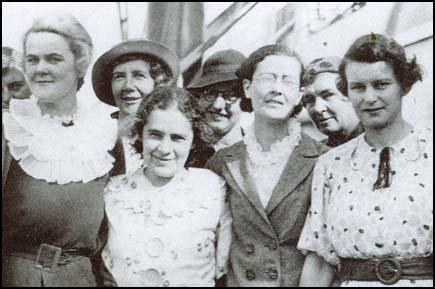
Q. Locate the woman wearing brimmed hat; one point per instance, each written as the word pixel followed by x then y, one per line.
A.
pixel 58 161
pixel 221 103
pixel 126 74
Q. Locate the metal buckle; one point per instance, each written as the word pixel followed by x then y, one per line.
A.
pixel 48 258
pixel 388 271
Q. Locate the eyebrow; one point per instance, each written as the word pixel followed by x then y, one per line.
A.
pixel 324 91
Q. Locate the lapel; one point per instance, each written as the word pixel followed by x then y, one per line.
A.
pixel 236 164
pixel 299 165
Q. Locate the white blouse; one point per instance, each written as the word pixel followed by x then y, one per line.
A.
pixel 266 167
pixel 176 235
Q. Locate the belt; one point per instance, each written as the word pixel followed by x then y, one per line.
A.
pixel 50 257
pixel 386 270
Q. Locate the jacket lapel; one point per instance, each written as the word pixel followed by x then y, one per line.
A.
pixel 236 164
pixel 299 165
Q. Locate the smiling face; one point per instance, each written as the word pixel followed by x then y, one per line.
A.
pixel 327 107
pixel 167 139
pixel 375 93
pixel 131 82
pixel 50 66
pixel 274 89
pixel 221 106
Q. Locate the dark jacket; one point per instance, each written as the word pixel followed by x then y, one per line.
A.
pixel 263 250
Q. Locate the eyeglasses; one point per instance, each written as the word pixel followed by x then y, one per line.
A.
pixel 211 95
pixel 270 78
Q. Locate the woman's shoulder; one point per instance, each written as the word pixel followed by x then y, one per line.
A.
pixel 203 176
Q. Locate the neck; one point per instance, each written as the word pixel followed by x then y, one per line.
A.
pixel 389 135
pixel 269 132
pixel 66 106
pixel 156 181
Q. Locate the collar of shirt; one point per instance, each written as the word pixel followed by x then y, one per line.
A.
pixel 410 148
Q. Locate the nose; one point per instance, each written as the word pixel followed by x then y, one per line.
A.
pixel 319 105
pixel 41 67
pixel 129 85
pixel 165 146
pixel 370 95
pixel 219 103
pixel 278 86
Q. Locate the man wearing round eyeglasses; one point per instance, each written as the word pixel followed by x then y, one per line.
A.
pixel 221 103
pixel 331 111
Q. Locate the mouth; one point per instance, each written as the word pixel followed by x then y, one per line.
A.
pixel 373 110
pixel 218 115
pixel 274 101
pixel 43 82
pixel 163 160
pixel 324 120
pixel 130 99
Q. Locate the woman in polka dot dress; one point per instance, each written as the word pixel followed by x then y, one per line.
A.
pixel 371 218
pixel 168 225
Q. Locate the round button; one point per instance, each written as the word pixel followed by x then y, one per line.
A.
pixel 250 275
pixel 249 248
pixel 273 246
pixel 272 273
pixel 151 277
pixel 154 247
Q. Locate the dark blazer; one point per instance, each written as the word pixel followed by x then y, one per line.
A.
pixel 263 250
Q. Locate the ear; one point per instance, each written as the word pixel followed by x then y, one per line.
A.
pixel 246 85
pixel 81 66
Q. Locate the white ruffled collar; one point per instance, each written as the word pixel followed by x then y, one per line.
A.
pixel 50 151
pixel 278 150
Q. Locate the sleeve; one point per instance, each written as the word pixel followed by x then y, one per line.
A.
pixel 314 235
pixel 223 233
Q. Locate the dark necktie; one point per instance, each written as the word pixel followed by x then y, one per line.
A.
pixel 384 170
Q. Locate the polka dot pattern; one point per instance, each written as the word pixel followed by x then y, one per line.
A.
pixel 396 221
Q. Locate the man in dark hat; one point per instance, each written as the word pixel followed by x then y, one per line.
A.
pixel 221 104
pixel 331 111
pixel 126 74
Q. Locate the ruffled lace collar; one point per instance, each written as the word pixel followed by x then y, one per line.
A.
pixel 278 150
pixel 56 153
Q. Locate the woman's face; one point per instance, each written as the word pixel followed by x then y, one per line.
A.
pixel 50 67
pixel 131 82
pixel 274 89
pixel 375 93
pixel 167 139
pixel 14 85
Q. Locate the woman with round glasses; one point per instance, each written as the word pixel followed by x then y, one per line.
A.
pixel 221 103
pixel 371 212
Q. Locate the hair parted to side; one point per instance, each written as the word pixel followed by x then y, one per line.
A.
pixel 373 48
pixel 164 97
pixel 159 72
pixel 78 39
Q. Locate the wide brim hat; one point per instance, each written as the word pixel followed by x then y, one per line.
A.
pixel 103 67
pixel 219 67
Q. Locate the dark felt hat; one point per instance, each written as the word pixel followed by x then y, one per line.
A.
pixel 102 70
pixel 219 67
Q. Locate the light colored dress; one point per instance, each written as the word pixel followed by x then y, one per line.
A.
pixel 166 236
pixel 348 219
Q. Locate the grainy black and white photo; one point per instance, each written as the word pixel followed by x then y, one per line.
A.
pixel 217 144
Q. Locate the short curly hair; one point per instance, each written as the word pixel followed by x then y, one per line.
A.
pixel 373 48
pixel 163 98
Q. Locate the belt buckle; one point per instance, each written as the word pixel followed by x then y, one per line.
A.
pixel 48 258
pixel 388 271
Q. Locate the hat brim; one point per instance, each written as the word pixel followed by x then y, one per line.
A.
pixel 102 70
pixel 212 78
